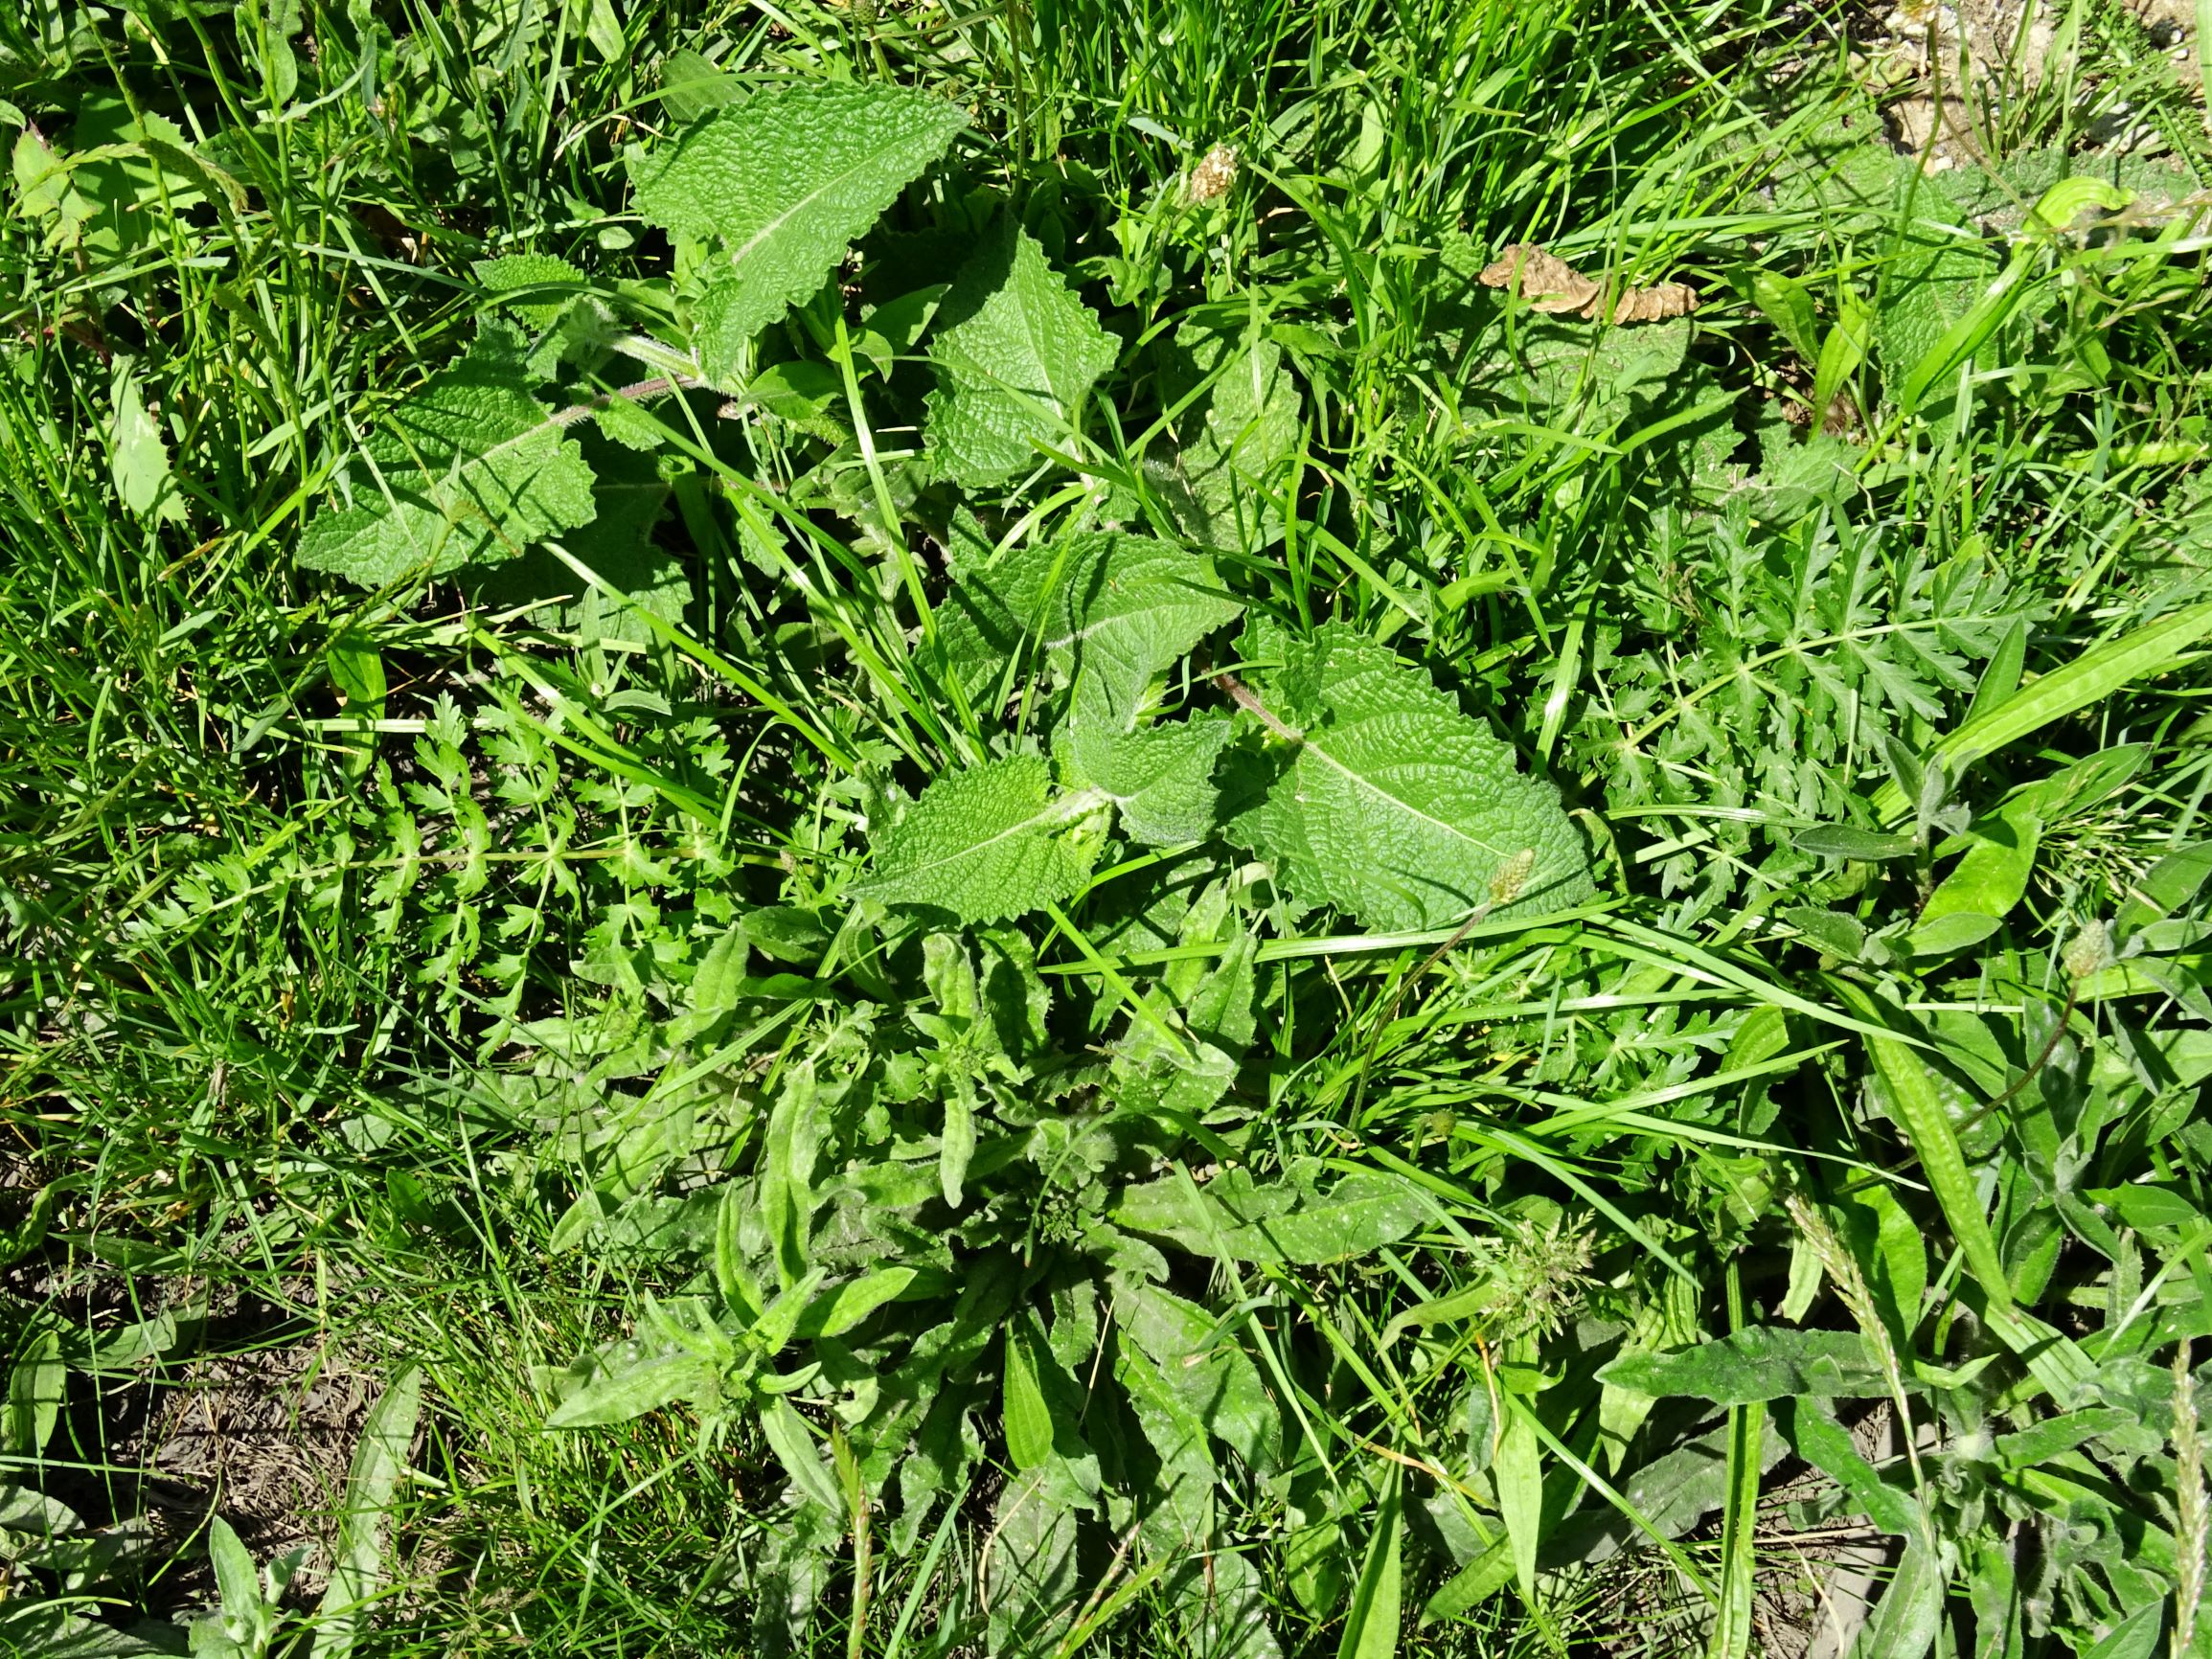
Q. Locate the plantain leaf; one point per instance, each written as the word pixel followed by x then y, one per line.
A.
pixel 1236 1218
pixel 1766 1362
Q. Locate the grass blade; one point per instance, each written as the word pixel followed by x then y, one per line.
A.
pixel 2090 677
pixel 1371 1624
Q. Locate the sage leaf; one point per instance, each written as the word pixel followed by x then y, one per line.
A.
pixel 471 469
pixel 1016 353
pixel 1395 806
pixel 988 844
pixel 781 183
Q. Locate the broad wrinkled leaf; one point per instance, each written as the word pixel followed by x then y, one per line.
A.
pixel 118 183
pixel 1394 806
pixel 1238 1219
pixel 1016 353
pixel 1567 377
pixel 782 184
pixel 476 469
pixel 1109 612
pixel 628 498
pixel 546 280
pixel 1764 1362
pixel 691 85
pixel 986 844
pixel 1159 778
pixel 1238 438
pixel 1938 280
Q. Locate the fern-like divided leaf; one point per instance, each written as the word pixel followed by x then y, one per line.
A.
pixel 1394 806
pixel 470 469
pixel 1016 354
pixel 781 185
pixel 989 844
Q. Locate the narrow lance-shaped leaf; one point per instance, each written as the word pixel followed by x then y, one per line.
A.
pixel 1236 1218
pixel 2090 677
pixel 1371 1623
pixel 138 455
pixel 784 182
pixel 1766 1362
pixel 1394 806
pixel 379 1460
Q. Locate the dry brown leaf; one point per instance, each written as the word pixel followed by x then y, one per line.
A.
pixel 1655 304
pixel 1546 282
pixel 1210 180
pixel 1549 284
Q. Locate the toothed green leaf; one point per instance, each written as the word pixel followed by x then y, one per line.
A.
pixel 988 843
pixel 548 283
pixel 470 469
pixel 1160 777
pixel 1110 612
pixel 783 183
pixel 1016 353
pixel 1237 439
pixel 617 545
pixel 1395 806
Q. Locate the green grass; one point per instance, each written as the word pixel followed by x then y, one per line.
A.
pixel 359 986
